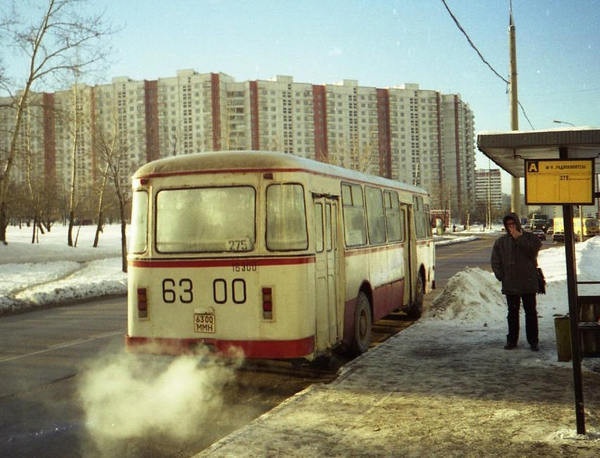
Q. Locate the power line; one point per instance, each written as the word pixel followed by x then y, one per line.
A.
pixel 483 59
pixel 525 114
pixel 460 27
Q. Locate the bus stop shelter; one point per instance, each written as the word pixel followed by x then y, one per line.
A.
pixel 570 157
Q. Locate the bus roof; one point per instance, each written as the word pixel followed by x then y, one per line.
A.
pixel 239 161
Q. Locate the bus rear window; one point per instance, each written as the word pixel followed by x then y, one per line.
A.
pixel 139 222
pixel 206 220
pixel 286 218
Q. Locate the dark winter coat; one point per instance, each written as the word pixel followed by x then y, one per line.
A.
pixel 514 262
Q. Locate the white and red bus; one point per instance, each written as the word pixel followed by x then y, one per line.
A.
pixel 279 256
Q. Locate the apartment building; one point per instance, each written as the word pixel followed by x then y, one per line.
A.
pixel 488 188
pixel 417 136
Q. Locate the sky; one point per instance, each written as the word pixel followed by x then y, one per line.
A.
pixel 381 43
pixel 469 311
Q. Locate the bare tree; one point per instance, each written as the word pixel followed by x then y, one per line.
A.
pixel 34 190
pixel 75 125
pixel 116 175
pixel 56 40
pixel 100 211
pixel 112 149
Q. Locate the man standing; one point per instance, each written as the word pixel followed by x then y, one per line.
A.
pixel 514 262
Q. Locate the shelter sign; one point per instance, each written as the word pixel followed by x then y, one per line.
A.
pixel 558 181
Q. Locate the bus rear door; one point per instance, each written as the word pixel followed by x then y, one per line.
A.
pixel 328 313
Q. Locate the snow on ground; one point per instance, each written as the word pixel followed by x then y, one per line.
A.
pixel 50 272
pixel 472 298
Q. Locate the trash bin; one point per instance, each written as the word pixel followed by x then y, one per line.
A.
pixel 562 328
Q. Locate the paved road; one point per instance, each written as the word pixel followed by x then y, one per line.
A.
pixel 41 353
pixel 45 354
pixel 451 259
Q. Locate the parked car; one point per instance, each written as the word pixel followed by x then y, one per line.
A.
pixel 559 236
pixel 540 234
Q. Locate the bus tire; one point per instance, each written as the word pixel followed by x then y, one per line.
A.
pixel 416 309
pixel 362 324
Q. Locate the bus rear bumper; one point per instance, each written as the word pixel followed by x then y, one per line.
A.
pixel 253 349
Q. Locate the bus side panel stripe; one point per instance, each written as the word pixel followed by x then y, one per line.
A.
pixel 365 250
pixel 387 298
pixel 228 262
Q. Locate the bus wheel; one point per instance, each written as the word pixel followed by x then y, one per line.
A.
pixel 416 309
pixel 362 324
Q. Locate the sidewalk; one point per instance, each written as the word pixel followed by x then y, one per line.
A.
pixel 435 389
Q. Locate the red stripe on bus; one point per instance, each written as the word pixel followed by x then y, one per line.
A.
pixel 257 349
pixel 228 262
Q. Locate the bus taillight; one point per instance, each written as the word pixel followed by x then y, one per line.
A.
pixel 267 303
pixel 142 303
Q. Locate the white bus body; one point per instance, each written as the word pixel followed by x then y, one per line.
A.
pixel 279 256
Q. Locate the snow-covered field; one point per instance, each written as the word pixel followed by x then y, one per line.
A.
pixel 49 272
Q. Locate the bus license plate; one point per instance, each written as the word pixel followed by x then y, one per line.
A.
pixel 204 322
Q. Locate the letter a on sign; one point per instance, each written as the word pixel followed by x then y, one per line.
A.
pixel 532 167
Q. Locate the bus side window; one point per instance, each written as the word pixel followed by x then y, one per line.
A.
pixel 375 216
pixel 426 223
pixel 354 215
pixel 319 228
pixel 420 231
pixel 286 218
pixel 393 217
pixel 330 222
pixel 422 226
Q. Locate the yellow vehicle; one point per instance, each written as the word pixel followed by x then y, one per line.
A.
pixel 589 226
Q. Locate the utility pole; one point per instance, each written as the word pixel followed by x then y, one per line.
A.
pixel 488 213
pixel 515 196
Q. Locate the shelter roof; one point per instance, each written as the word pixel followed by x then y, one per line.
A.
pixel 509 150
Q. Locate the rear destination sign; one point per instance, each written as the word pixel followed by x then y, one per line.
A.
pixel 559 181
